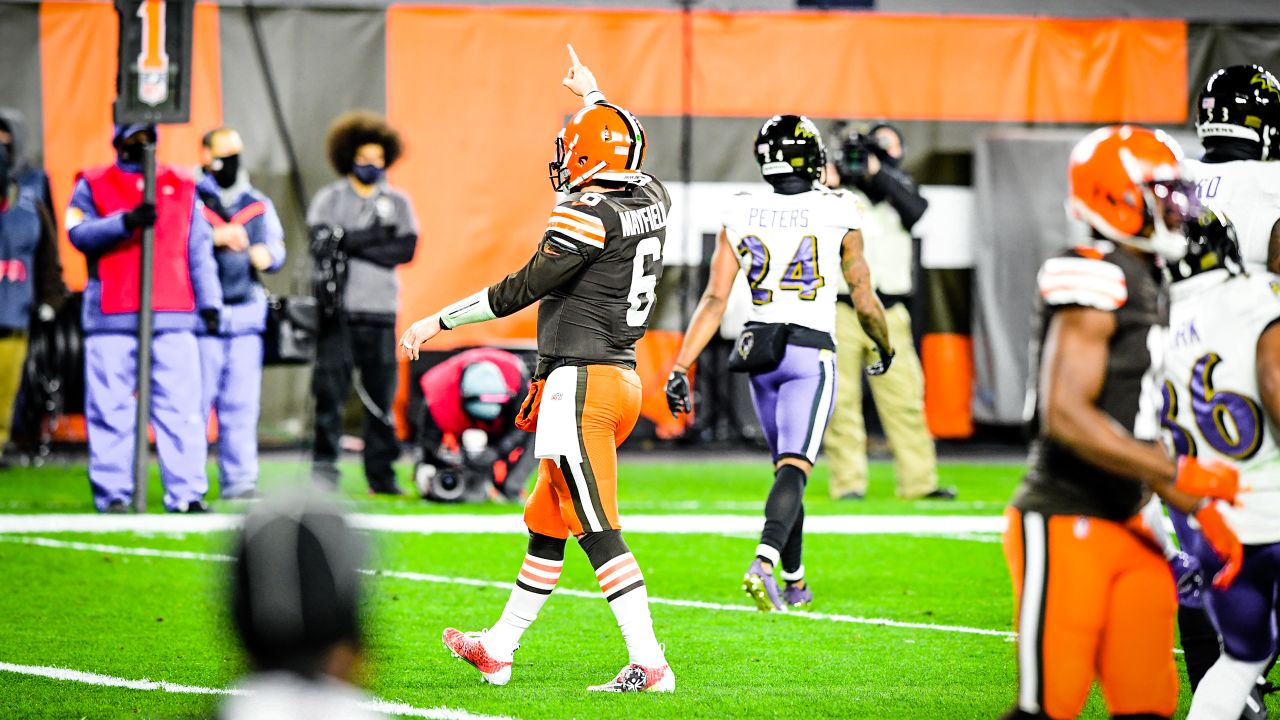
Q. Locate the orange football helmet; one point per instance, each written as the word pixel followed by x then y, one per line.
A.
pixel 601 141
pixel 1128 184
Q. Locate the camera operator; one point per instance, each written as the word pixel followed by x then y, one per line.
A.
pixel 868 164
pixel 472 398
pixel 361 228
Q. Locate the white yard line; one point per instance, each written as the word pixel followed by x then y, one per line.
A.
pixel 474 582
pixel 86 678
pixel 458 524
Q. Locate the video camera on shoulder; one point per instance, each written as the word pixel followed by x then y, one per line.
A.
pixel 850 157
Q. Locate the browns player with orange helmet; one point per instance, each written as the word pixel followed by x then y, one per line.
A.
pixel 595 271
pixel 1094 596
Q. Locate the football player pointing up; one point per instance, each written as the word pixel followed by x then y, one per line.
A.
pixel 791 244
pixel 595 270
pixel 1094 597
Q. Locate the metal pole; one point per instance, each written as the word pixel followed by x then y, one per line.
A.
pixel 141 448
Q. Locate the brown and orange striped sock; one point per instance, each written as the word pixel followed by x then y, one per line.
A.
pixel 538 577
pixel 623 586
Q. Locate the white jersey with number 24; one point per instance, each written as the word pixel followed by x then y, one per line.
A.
pixel 789 248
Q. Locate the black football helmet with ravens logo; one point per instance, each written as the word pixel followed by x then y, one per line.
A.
pixel 1241 102
pixel 1211 245
pixel 790 146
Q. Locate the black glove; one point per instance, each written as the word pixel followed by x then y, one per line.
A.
pixel 678 399
pixel 212 318
pixel 882 365
pixel 143 216
pixel 325 240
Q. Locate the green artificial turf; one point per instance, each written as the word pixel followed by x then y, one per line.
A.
pixel 162 618
pixel 702 484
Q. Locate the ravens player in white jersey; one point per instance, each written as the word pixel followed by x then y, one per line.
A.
pixel 1238 121
pixel 595 271
pixel 791 244
pixel 1222 401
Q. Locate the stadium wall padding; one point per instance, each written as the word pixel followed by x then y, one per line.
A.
pixel 475 90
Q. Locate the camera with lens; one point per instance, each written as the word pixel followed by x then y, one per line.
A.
pixel 850 157
pixel 467 476
pixel 329 271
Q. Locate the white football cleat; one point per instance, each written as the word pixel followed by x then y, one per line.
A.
pixel 637 678
pixel 468 646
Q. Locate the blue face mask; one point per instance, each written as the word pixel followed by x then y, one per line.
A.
pixel 368 174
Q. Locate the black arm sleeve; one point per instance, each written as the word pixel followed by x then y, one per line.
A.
pixel 896 187
pixel 555 263
pixel 386 249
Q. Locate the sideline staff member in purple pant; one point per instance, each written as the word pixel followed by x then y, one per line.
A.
pixel 105 222
pixel 247 240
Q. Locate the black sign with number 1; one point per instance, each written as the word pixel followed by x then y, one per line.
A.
pixel 153 79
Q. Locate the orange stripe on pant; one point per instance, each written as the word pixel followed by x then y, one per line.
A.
pixel 610 406
pixel 1100 603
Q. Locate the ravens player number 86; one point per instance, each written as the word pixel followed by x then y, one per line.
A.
pixel 595 270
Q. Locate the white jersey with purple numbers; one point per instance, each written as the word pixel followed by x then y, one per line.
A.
pixel 1247 192
pixel 1211 403
pixel 789 248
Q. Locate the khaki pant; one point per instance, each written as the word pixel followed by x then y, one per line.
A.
pixel 13 353
pixel 899 398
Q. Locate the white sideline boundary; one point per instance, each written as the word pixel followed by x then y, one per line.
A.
pixel 475 582
pixel 460 524
pixel 86 678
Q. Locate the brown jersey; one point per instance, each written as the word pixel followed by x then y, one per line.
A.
pixel 1059 481
pixel 596 271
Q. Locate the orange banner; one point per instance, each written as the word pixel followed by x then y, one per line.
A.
pixel 875 65
pixel 479 125
pixel 78 46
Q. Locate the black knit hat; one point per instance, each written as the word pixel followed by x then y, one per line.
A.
pixel 296 584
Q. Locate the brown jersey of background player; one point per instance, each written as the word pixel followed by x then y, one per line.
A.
pixel 1105 277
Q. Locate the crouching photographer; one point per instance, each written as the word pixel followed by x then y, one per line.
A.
pixel 867 163
pixel 470 446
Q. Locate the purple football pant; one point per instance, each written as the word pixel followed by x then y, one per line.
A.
pixel 231 371
pixel 1245 614
pixel 794 401
pixel 110 414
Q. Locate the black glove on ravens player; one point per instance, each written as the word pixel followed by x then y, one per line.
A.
pixel 678 397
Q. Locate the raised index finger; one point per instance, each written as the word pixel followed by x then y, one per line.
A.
pixel 573 56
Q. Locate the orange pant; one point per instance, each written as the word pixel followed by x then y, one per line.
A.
pixel 574 498
pixel 1092 599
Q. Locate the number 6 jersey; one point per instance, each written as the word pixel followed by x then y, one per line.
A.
pixel 596 271
pixel 1211 404
pixel 789 248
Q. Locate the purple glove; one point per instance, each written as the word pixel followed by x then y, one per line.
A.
pixel 1189 579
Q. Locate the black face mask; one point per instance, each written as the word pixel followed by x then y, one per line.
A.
pixel 131 153
pixel 225 170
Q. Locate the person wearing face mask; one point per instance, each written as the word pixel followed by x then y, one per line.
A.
pixel 868 165
pixel 247 239
pixel 105 222
pixel 30 272
pixel 361 228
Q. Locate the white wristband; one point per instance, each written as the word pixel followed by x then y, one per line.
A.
pixel 592 97
pixel 472 309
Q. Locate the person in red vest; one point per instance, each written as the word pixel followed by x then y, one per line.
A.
pixel 472 399
pixel 105 222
